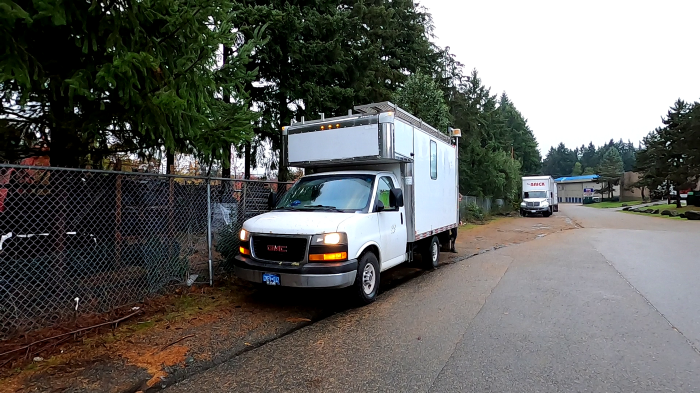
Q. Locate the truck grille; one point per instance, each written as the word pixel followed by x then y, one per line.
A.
pixel 533 204
pixel 279 249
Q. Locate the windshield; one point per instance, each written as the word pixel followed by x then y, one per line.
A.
pixel 535 194
pixel 332 192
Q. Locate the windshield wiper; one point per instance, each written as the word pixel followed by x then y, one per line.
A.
pixel 322 207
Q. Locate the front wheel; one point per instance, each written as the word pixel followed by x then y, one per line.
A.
pixel 366 284
pixel 431 254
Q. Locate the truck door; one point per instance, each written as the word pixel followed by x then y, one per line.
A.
pixel 392 223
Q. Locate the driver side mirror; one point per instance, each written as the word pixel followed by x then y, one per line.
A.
pixel 396 197
pixel 379 207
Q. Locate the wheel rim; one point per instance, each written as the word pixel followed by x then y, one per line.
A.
pixel 368 279
pixel 434 252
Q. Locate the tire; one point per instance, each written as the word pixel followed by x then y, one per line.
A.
pixel 366 284
pixel 522 212
pixel 547 213
pixel 431 254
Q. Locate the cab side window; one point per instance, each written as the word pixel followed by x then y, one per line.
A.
pixel 384 193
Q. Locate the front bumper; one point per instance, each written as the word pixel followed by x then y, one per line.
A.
pixel 535 209
pixel 309 275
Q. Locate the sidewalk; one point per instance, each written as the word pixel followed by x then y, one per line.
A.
pixel 198 328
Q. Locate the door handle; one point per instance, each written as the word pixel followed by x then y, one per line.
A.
pixel 401 218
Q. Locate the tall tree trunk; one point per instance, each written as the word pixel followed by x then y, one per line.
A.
pixel 247 161
pixel 64 149
pixel 285 119
pixel 169 163
pixel 226 166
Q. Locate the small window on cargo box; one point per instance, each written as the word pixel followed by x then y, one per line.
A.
pixel 433 160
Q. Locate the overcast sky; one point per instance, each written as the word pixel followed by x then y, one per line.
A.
pixel 579 71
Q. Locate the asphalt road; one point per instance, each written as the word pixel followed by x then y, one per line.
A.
pixel 611 307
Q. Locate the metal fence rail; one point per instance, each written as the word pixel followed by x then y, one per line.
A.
pixel 86 241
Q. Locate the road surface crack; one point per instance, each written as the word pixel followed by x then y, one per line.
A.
pixel 687 340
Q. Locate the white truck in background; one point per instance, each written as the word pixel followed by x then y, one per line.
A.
pixel 539 196
pixel 380 187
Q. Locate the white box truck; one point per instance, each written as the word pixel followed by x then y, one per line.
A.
pixel 380 188
pixel 539 196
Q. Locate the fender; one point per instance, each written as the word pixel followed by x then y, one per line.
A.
pixel 367 244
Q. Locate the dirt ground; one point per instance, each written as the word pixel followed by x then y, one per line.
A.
pixel 193 330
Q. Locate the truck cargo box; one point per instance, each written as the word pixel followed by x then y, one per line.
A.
pixel 384 137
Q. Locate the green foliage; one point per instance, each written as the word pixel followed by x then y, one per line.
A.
pixel 559 161
pixel 88 79
pixel 423 98
pixel 227 244
pixel 328 56
pixel 490 159
pixel 475 213
pixel 610 170
pixel 671 154
pixel 577 171
pixel 518 135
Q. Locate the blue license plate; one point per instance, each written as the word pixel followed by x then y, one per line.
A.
pixel 271 279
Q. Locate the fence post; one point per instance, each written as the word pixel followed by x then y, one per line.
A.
pixel 211 267
pixel 170 236
pixel 118 222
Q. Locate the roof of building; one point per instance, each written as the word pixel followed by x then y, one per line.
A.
pixel 574 179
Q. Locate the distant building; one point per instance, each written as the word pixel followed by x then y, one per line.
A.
pixel 572 189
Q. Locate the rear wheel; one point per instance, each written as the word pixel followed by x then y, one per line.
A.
pixel 366 284
pixel 431 254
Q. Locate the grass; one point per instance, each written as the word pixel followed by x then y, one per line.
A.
pixel 609 205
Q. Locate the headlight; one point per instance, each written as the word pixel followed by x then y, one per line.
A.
pixel 544 204
pixel 245 235
pixel 523 204
pixel 330 238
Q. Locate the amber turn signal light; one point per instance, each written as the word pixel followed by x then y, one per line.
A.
pixel 336 256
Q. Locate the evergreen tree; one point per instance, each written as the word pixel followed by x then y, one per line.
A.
pixel 327 56
pixel 423 98
pixel 519 137
pixel 610 170
pixel 85 80
pixel 589 158
pixel 559 161
pixel 577 171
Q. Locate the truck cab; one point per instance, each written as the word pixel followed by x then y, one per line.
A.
pixel 320 229
pixel 380 188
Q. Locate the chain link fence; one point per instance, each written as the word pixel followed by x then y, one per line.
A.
pixel 76 242
pixel 476 208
